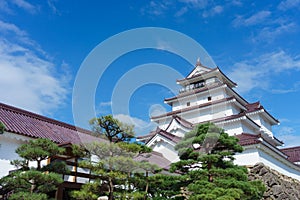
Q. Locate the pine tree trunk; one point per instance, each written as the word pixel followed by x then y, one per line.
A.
pixel 111 189
pixel 38 165
pixel 147 186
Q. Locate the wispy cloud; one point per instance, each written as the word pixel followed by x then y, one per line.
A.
pixel 200 4
pixel 156 8
pixel 5 7
pixel 52 6
pixel 25 6
pixel 254 19
pixel 181 12
pixel 270 33
pixel 28 80
pixel 257 73
pixel 177 9
pixel 213 11
pixel 288 4
pixel 14 33
pixel 288 135
pixel 294 88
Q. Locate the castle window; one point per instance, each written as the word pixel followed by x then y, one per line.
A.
pixel 209 98
pixel 188 103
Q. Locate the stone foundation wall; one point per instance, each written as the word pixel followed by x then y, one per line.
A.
pixel 279 187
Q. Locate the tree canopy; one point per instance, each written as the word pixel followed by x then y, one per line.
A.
pixel 33 183
pixel 206 157
pixel 112 129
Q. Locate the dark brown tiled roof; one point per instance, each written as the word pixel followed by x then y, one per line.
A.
pixel 252 107
pixel 29 124
pixel 293 153
pixel 181 121
pixel 165 134
pixel 247 139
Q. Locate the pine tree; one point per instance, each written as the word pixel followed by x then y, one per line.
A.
pixel 33 183
pixel 207 155
pixel 114 163
pixel 112 129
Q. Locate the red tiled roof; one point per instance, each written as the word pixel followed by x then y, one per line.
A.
pixel 252 107
pixel 293 153
pixel 29 124
pixel 165 134
pixel 247 139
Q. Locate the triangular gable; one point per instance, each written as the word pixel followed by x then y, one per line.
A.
pixel 178 126
pixel 199 69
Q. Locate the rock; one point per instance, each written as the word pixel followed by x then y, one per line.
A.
pixel 276 190
pixel 278 186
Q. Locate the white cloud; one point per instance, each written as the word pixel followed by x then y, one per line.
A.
pixel 141 127
pixel 181 12
pixel 5 7
pixel 285 5
pixel 213 11
pixel 12 32
pixel 269 33
pixel 196 3
pixel 257 18
pixel 25 5
pixel 294 88
pixel 156 8
pixel 27 80
pixel 53 7
pixel 257 72
pixel 11 28
pixel 288 136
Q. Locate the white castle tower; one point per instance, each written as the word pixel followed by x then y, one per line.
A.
pixel 207 95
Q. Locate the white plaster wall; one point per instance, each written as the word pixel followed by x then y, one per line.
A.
pixel 167 150
pixel 199 98
pixel 8 146
pixel 265 125
pixel 248 157
pixel 279 166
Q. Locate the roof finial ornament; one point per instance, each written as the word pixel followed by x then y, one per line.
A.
pixel 198 62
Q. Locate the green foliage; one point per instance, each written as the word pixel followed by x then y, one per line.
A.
pixel 35 183
pixel 112 129
pixel 31 181
pixel 80 151
pixel 89 191
pixel 38 150
pixel 207 155
pixel 115 166
pixel 2 128
pixel 28 196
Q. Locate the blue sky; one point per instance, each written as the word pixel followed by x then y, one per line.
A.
pixel 43 45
